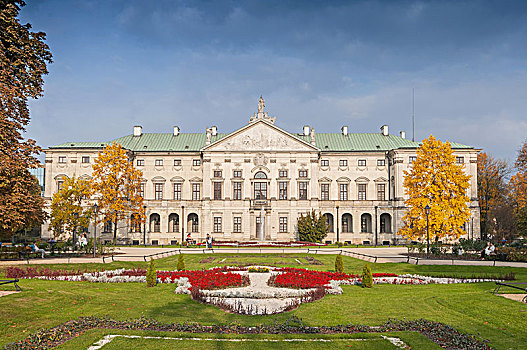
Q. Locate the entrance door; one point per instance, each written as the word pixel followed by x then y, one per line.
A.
pixel 259 227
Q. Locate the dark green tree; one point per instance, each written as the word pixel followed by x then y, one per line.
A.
pixel 339 264
pixel 312 227
pixel 151 274
pixel 23 62
pixel 367 276
pixel 180 262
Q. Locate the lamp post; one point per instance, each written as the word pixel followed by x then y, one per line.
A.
pixel 144 227
pixel 338 238
pixel 95 208
pixel 427 212
pixel 76 215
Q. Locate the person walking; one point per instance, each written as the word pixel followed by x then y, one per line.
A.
pixel 209 241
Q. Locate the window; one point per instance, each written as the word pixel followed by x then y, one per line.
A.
pixel 159 162
pixel 217 173
pixel 302 190
pixel 196 162
pixel 324 192
pixel 282 224
pixel 381 192
pixel 217 224
pixel 381 162
pixel 177 162
pixel 140 162
pixel 343 163
pixel 282 173
pixel 260 175
pixel 260 190
pixel 237 191
pixel 107 227
pixel 158 191
pixel 412 159
pixel 217 191
pixel 362 192
pixel 62 159
pixel 302 173
pixel 282 191
pixel 135 223
pixel 85 159
pixel 324 162
pixel 237 173
pixel 142 189
pixel 362 162
pixel 195 192
pixel 343 192
pixel 460 160
pixel 177 191
pixel 59 184
pixel 237 224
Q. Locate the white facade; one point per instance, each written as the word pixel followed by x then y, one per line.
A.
pixel 254 183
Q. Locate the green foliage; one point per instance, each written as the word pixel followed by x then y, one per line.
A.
pixel 151 274
pixel 312 227
pixel 339 264
pixel 521 221
pixel 180 263
pixel 339 244
pixel 367 277
pixel 472 245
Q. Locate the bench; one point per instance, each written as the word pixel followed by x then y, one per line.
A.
pixel 17 287
pixel 512 285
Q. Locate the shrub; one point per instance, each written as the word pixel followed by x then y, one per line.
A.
pixel 151 274
pixel 339 264
pixel 180 263
pixel 339 244
pixel 367 278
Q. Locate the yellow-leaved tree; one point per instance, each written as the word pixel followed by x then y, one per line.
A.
pixel 117 186
pixel 435 180
pixel 70 209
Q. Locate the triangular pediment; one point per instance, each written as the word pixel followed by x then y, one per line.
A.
pixel 260 136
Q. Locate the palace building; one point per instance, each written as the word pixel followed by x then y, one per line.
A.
pixel 255 182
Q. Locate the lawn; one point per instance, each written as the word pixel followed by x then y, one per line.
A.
pixel 470 308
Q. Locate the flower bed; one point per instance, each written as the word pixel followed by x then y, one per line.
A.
pixel 209 279
pixel 120 275
pixel 258 269
pixel 265 245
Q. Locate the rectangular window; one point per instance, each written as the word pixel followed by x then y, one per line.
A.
pixel 412 159
pixel 236 191
pixel 324 162
pixel 302 173
pixel 460 160
pixel 381 162
pixel 343 163
pixel 107 227
pixel 158 191
pixel 62 159
pixel 195 192
pixel 362 192
pixel 381 192
pixel 85 159
pixel 282 173
pixel 177 191
pixel 142 189
pixel 302 190
pixel 282 191
pixel 361 162
pixel 237 224
pixel 343 192
pixel 217 173
pixel 177 162
pixel 217 224
pixel 283 224
pixel 217 191
pixel 324 192
pixel 159 162
pixel 196 162
pixel 237 173
pixel 140 162
pixel 260 190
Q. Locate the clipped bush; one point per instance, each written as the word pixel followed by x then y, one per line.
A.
pixel 151 274
pixel 339 244
pixel 180 263
pixel 339 264
pixel 367 278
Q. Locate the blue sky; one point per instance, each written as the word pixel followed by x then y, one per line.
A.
pixel 326 64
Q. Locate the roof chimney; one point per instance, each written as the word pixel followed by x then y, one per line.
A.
pixel 214 129
pixel 384 130
pixel 138 130
pixel 403 134
pixel 306 130
pixel 344 130
pixel 176 130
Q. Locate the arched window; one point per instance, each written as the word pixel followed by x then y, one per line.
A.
pixel 173 223
pixel 329 221
pixel 260 175
pixel 193 223
pixel 135 223
pixel 365 223
pixel 347 223
pixel 260 187
pixel 386 223
pixel 155 223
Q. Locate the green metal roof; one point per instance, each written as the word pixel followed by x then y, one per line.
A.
pixel 193 142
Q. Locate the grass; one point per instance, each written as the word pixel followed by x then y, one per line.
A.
pixel 470 308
